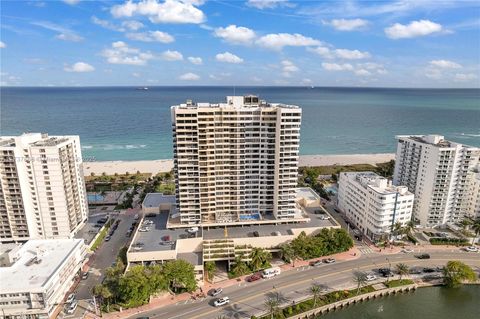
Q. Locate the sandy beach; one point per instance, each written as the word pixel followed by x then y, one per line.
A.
pixel 159 166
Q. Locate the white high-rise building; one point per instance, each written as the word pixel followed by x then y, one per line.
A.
pixel 440 173
pixel 237 161
pixel 42 190
pixel 372 203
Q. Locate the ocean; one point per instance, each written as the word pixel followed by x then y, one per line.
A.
pixel 123 123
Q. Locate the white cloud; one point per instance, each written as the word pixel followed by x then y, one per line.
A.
pixel 171 56
pixel 135 74
pixel 307 81
pixel 169 11
pixel 445 64
pixel 276 41
pixel 373 67
pixel 337 67
pixel 267 4
pixel 328 53
pixel 228 58
pixel 362 72
pixel 151 36
pixel 235 35
pixel 413 29
pixel 324 52
pixel 195 60
pixel 347 24
pixel 464 77
pixel 2 45
pixel 288 68
pixel 79 67
pixel 69 37
pixel 351 54
pixel 189 77
pixel 434 74
pixel 133 25
pixel 121 53
pixel 71 2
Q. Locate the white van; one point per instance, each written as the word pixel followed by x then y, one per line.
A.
pixel 271 272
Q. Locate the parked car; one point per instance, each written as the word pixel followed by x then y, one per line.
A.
pixel 107 238
pixel 415 270
pixel 429 270
pixel 329 260
pixel 72 307
pixel 407 250
pixel 318 262
pixel 150 215
pixel 256 234
pixel 215 292
pixel 84 275
pixel 370 277
pixel 254 277
pixel 166 238
pixel 70 298
pixel 192 230
pixel 471 249
pixel 386 272
pixel 129 233
pixel 277 233
pixel 423 256
pixel 323 217
pixel 221 302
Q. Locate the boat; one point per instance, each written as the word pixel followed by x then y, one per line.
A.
pixel 142 89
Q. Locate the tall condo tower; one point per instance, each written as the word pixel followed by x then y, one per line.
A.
pixel 235 161
pixel 441 174
pixel 42 190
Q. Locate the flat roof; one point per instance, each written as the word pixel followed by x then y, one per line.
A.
pixel 307 192
pixel 38 261
pixel 195 258
pixel 237 102
pixel 156 199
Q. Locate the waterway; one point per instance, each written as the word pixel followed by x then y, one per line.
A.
pixel 425 303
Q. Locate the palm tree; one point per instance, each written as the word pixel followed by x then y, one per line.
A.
pixel 272 303
pixel 397 229
pixel 360 278
pixel 315 289
pixel 476 229
pixel 409 227
pixel 240 267
pixel 402 269
pixel 288 253
pixel 259 257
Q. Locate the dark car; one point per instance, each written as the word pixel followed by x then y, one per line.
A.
pixel 254 277
pixel 429 270
pixel 150 215
pixel 386 272
pixel 423 256
pixel 316 262
pixel 215 292
pixel 256 234
pixel 166 238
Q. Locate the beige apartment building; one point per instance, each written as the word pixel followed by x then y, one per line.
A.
pixel 235 162
pixel 42 190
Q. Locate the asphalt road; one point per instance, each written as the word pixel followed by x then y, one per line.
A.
pixel 104 257
pixel 247 299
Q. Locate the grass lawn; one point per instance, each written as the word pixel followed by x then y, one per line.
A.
pixel 398 283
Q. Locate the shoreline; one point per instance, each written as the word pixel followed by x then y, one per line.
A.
pixel 166 165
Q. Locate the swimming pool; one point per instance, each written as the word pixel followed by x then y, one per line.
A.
pixel 95 198
pixel 255 216
pixel 331 189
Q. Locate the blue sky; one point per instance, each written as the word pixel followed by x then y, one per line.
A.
pixel 271 42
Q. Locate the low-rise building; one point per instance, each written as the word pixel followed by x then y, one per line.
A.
pixel 372 203
pixel 36 276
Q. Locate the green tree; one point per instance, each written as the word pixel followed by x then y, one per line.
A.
pixel 104 294
pixel 315 289
pixel 260 258
pixel 210 268
pixel 402 270
pixel 239 267
pixel 272 304
pixel 476 229
pixel 456 272
pixel 180 274
pixel 288 254
pixel 360 278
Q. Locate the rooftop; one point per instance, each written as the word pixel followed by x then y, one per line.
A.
pixel 432 139
pixel 156 199
pixel 235 102
pixel 376 182
pixel 37 261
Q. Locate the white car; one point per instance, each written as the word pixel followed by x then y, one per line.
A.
pixel 70 298
pixel 471 249
pixel 192 230
pixel 370 277
pixel 72 307
pixel 407 250
pixel 221 302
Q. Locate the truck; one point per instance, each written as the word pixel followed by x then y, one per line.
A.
pixel 271 272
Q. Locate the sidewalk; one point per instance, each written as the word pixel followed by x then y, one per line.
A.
pixel 168 299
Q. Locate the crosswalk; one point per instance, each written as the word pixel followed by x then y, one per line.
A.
pixel 364 249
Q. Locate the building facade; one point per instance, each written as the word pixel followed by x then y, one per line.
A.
pixel 372 203
pixel 42 189
pixel 36 276
pixel 235 161
pixel 440 173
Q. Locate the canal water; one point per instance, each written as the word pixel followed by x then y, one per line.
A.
pixel 425 303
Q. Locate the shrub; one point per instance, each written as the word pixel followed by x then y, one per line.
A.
pixel 448 241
